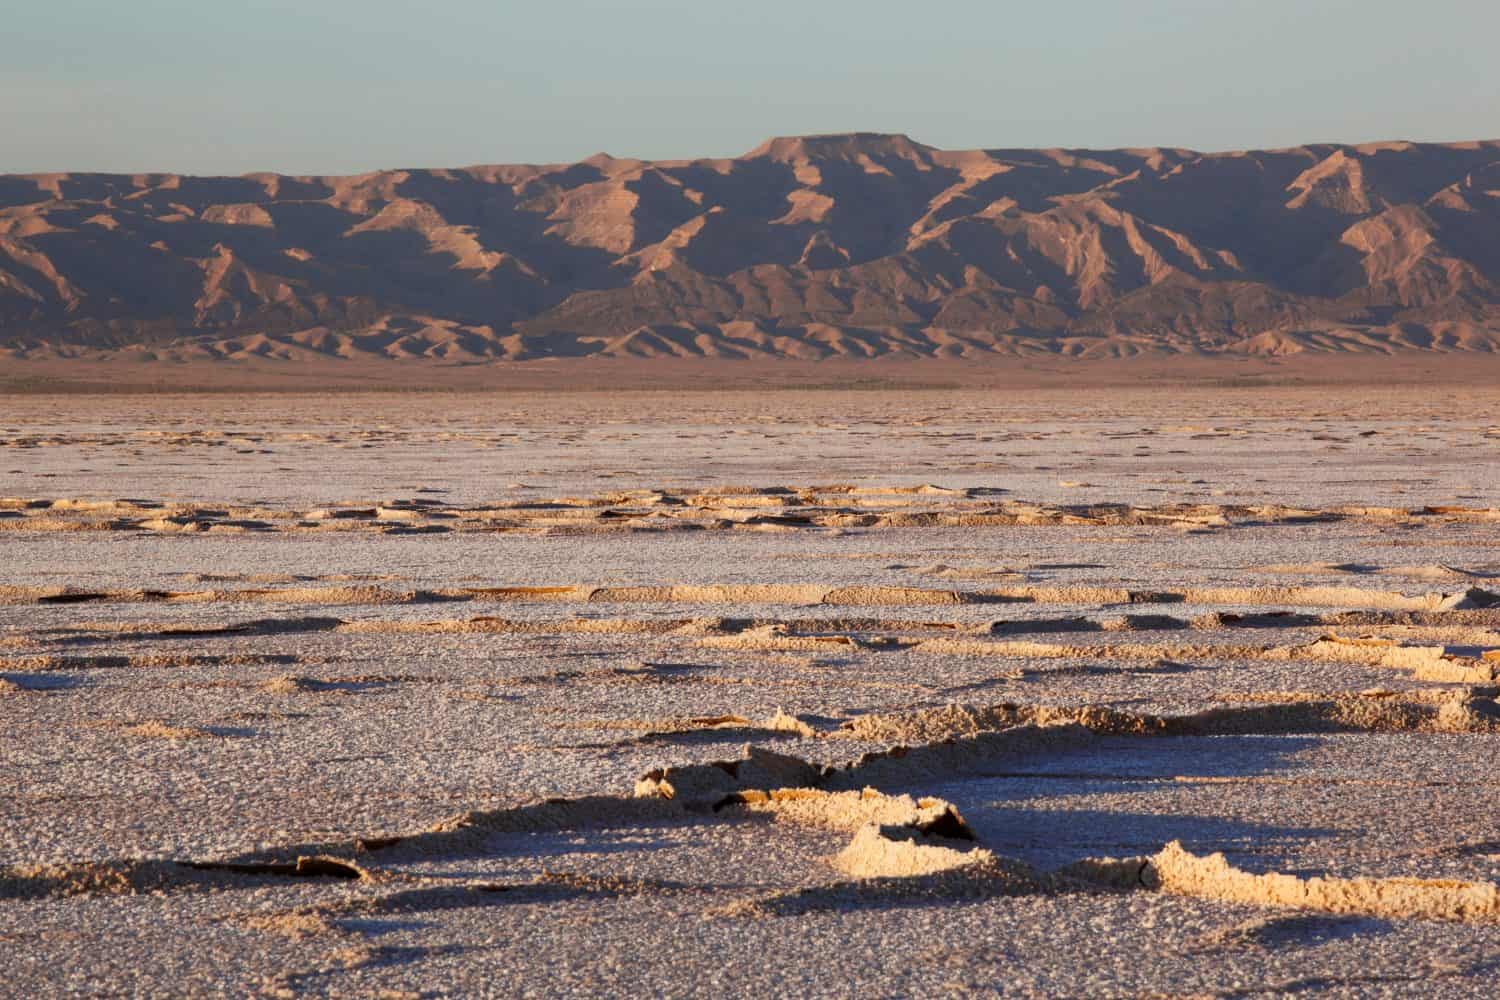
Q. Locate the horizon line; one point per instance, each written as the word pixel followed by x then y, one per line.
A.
pixel 751 153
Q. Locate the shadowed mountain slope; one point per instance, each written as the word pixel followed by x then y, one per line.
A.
pixel 819 246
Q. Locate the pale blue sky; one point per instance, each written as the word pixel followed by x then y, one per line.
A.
pixel 335 86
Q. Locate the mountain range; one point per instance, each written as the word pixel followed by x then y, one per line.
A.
pixel 852 245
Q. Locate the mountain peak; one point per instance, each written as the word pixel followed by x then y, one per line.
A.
pixel 840 146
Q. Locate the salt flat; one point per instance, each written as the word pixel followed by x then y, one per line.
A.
pixel 587 693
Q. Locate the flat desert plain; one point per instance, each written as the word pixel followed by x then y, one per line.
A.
pixel 1173 690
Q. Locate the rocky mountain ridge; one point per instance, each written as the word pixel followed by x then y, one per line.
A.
pixel 810 247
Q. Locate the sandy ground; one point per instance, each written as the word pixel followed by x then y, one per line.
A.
pixel 812 692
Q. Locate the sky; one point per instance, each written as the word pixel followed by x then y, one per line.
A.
pixel 345 86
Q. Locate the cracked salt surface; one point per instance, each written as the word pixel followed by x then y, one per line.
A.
pixel 145 731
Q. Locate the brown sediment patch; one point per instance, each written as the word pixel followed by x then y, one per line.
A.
pixel 904 766
pixel 680 724
pixel 664 510
pixel 1377 711
pixel 368 595
pixel 773 593
pixel 905 871
pixel 648 674
pixel 124 878
pixel 289 578
pixel 311 595
pixel 897 596
pixel 99 631
pixel 104 878
pixel 803 594
pixel 41 523
pixel 936 724
pixel 1174 870
pixel 885 851
pixel 1462 618
pixel 294 684
pixel 506 626
pixel 1431 663
pixel 701 786
pixel 783 722
pixel 1428 571
pixel 156 729
pixel 1113 651
pixel 946 572
pixel 1452 634
pixel 1434 663
pixel 1293 597
pixel 318 866
pixel 560 593
pixel 554 814
pixel 780 724
pixel 1211 621
pixel 780 637
pixel 893 835
pixel 52 662
pixel 1471 622
pixel 851 810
